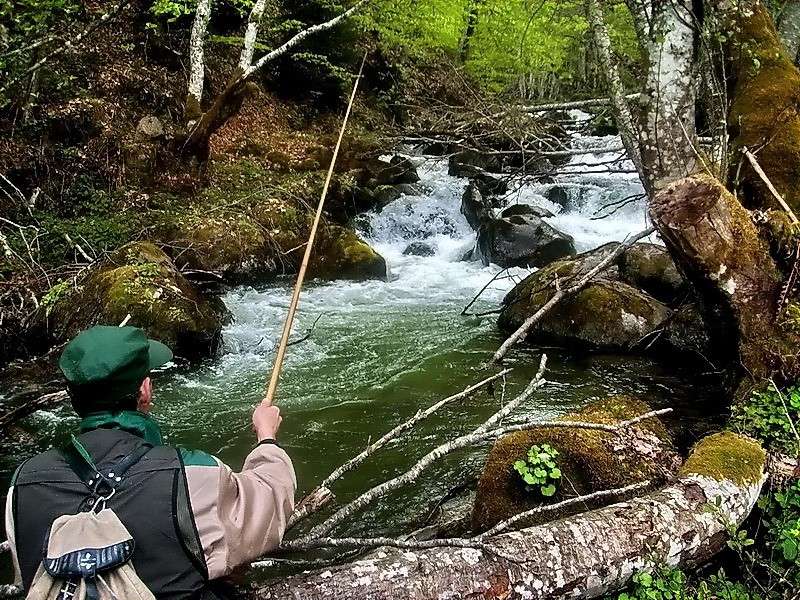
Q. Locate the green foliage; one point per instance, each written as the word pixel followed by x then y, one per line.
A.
pixel 54 295
pixel 782 517
pixel 673 584
pixel 770 416
pixel 25 23
pixel 511 38
pixel 539 471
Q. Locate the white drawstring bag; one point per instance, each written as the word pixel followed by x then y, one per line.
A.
pixel 87 557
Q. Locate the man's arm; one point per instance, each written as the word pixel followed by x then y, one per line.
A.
pixel 9 521
pixel 241 516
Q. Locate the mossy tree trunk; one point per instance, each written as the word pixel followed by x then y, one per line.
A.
pixel 715 243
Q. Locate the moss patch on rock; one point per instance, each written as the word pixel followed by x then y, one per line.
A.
pixel 140 280
pixel 605 315
pixel 727 456
pixel 589 460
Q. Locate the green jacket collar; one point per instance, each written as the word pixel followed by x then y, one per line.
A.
pixel 127 420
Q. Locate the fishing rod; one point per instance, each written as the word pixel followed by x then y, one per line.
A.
pixel 301 274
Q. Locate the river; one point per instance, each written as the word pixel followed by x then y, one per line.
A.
pixel 381 350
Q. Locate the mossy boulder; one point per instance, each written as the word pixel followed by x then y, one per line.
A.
pixel 650 268
pixel 589 460
pixel 634 303
pixel 605 315
pixel 229 244
pixel 727 456
pixel 339 253
pixel 140 280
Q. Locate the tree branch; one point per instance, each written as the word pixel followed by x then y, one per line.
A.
pixel 318 498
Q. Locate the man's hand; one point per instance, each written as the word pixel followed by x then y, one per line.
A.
pixel 266 421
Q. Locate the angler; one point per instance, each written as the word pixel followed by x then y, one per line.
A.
pixel 116 513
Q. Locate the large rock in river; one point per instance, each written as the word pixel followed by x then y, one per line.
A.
pixel 589 460
pixel 140 280
pixel 634 304
pixel 474 206
pixel 522 241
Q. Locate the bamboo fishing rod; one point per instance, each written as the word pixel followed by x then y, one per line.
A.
pixel 301 274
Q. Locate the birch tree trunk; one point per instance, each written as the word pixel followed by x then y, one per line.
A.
pixel 469 31
pixel 789 28
pixel 197 65
pixel 580 557
pixel 668 139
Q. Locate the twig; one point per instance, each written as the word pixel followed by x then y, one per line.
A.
pixel 483 289
pixel 318 498
pixel 788 416
pixel 535 383
pixel 757 168
pixel 67 45
pixel 545 508
pixel 414 472
pixel 560 294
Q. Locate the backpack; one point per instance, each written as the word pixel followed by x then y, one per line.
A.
pixel 87 556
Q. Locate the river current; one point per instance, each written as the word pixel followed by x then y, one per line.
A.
pixel 381 350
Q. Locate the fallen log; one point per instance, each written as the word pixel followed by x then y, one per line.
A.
pixel 580 557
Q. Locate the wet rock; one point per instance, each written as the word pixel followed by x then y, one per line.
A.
pixel 419 249
pixel 651 268
pixel 526 209
pixel 403 170
pixel 522 241
pixel 386 194
pixel 606 315
pixel 487 183
pixel 473 158
pixel 686 332
pixel 149 128
pixel 475 208
pixel 558 195
pixel 341 254
pixel 140 280
pixel 589 461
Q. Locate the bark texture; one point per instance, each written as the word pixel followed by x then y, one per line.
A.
pixel 668 139
pixel 716 245
pixel 580 557
pixel 789 28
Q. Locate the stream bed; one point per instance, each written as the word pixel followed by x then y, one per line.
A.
pixel 380 351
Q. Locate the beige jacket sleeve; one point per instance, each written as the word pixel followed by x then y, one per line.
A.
pixel 241 516
pixel 9 523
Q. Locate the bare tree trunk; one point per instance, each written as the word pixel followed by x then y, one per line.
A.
pixel 627 127
pixel 668 142
pixel 714 241
pixel 251 34
pixel 789 28
pixel 469 31
pixel 197 65
pixel 580 557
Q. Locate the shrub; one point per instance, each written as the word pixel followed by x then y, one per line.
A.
pixel 770 416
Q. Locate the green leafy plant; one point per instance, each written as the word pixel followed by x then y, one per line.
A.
pixel 53 295
pixel 782 518
pixel 539 471
pixel 770 416
pixel 665 583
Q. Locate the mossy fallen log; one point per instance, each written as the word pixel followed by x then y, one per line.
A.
pixel 580 557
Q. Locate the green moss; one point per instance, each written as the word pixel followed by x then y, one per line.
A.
pixel 727 456
pixel 140 280
pixel 587 460
pixel 764 109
